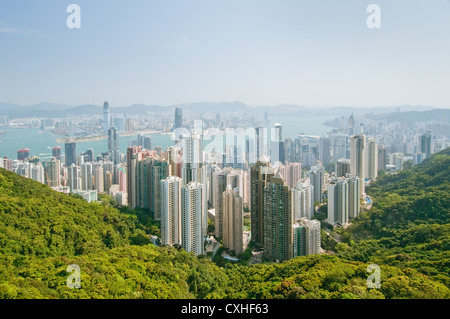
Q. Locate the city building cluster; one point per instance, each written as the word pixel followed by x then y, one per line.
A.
pixel 280 183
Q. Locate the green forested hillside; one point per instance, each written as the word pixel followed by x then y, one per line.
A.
pixel 151 272
pixel 409 225
pixel 42 232
pixel 35 220
pixel 124 272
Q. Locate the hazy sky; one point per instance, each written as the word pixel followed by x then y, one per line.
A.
pixel 260 52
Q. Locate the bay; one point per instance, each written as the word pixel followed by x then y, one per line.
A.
pixel 40 142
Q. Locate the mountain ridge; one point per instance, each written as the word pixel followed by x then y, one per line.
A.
pixel 52 110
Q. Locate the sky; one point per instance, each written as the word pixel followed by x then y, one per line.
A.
pixel 261 52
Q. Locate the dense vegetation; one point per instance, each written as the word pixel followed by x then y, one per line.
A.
pixel 35 220
pixel 409 224
pixel 42 232
pixel 151 272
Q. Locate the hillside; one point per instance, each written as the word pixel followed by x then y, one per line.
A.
pixel 136 272
pixel 42 232
pixel 409 225
pixel 35 220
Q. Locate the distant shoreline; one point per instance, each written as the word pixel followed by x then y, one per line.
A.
pixel 103 137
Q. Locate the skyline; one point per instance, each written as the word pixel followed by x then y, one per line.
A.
pixel 263 53
pixel 48 105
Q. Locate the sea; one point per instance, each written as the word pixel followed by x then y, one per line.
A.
pixel 40 142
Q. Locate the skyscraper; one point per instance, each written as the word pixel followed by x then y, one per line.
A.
pixel 245 188
pixel 140 140
pixel 261 142
pixel 339 146
pixel 139 163
pixel 22 169
pixel 56 152
pixel 382 158
pixel 178 118
pixel 37 172
pixel 354 196
pixel 425 144
pixel 324 150
pixel 302 201
pixel 260 175
pixel 147 142
pixel 106 117
pixel 211 169
pixel 418 158
pixel 53 173
pixel 306 237
pixel 159 170
pixel 129 124
pixel 192 158
pixel 291 172
pixel 234 157
pixel 113 145
pixel 144 172
pixel 342 167
pixel 70 154
pixel 121 173
pixel 277 220
pixel 158 150
pixel 73 177
pixel 338 202
pixel 107 180
pixel 358 158
pixel 175 160
pixel 98 178
pixel 233 226
pixel 220 185
pixel 351 125
pixel 86 176
pixel 119 123
pixel 277 151
pixel 222 179
pixel 317 181
pixel 193 214
pixel 171 210
pixel 372 159
pixel 23 154
pixel 131 176
pixel 398 161
pixel 108 167
pixel 278 132
pixel 89 155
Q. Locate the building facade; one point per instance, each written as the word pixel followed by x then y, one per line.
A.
pixel 278 220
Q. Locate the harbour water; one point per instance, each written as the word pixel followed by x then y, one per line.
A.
pixel 40 142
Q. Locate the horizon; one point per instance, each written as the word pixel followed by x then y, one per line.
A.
pixel 112 106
